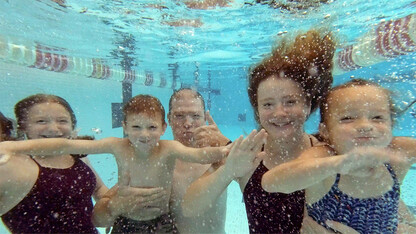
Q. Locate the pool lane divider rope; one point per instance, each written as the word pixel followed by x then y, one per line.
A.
pixel 37 56
pixel 388 40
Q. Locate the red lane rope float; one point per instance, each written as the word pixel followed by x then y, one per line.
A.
pixel 40 57
pixel 389 40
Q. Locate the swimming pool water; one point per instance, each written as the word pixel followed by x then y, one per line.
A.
pixel 214 57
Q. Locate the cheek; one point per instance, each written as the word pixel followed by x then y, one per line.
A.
pixel 300 111
pixel 199 122
pixel 67 128
pixel 34 128
pixel 263 114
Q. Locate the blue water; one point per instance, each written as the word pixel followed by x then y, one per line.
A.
pixel 214 57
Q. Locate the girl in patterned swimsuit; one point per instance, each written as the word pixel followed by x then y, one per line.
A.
pixel 356 123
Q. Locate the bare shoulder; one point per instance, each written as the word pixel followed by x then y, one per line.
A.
pixel 170 145
pixel 18 164
pixel 21 170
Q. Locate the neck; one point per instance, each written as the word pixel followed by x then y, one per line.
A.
pixel 279 151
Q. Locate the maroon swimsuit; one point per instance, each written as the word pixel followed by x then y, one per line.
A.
pixel 59 202
pixel 272 212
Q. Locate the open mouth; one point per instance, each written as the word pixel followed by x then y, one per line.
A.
pixel 144 141
pixel 281 124
pixel 44 136
pixel 188 133
pixel 365 138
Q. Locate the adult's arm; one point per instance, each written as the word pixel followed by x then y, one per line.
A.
pixel 209 135
pixel 130 202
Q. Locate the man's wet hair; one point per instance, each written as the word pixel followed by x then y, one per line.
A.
pixel 176 93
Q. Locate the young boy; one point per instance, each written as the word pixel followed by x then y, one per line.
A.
pixel 143 159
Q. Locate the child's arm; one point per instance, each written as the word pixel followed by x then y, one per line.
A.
pixel 100 188
pixel 406 145
pixel 316 164
pixel 204 192
pixel 406 217
pixel 130 202
pixel 58 146
pixel 205 155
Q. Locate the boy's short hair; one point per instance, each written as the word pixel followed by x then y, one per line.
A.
pixel 144 104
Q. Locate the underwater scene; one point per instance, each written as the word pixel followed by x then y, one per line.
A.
pixel 98 55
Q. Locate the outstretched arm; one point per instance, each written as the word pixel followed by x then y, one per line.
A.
pixel 206 190
pixel 314 165
pixel 407 146
pixel 205 155
pixel 309 226
pixel 58 146
pixel 317 164
pixel 407 220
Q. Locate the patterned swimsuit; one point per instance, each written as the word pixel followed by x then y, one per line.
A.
pixel 365 215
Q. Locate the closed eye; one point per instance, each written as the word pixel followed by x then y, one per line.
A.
pixel 379 118
pixel 291 102
pixel 179 116
pixel 347 119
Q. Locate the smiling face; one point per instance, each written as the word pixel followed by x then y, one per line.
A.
pixel 358 116
pixel 144 131
pixel 48 120
pixel 282 108
pixel 186 114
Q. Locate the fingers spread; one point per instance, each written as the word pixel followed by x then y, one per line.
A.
pixel 236 145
